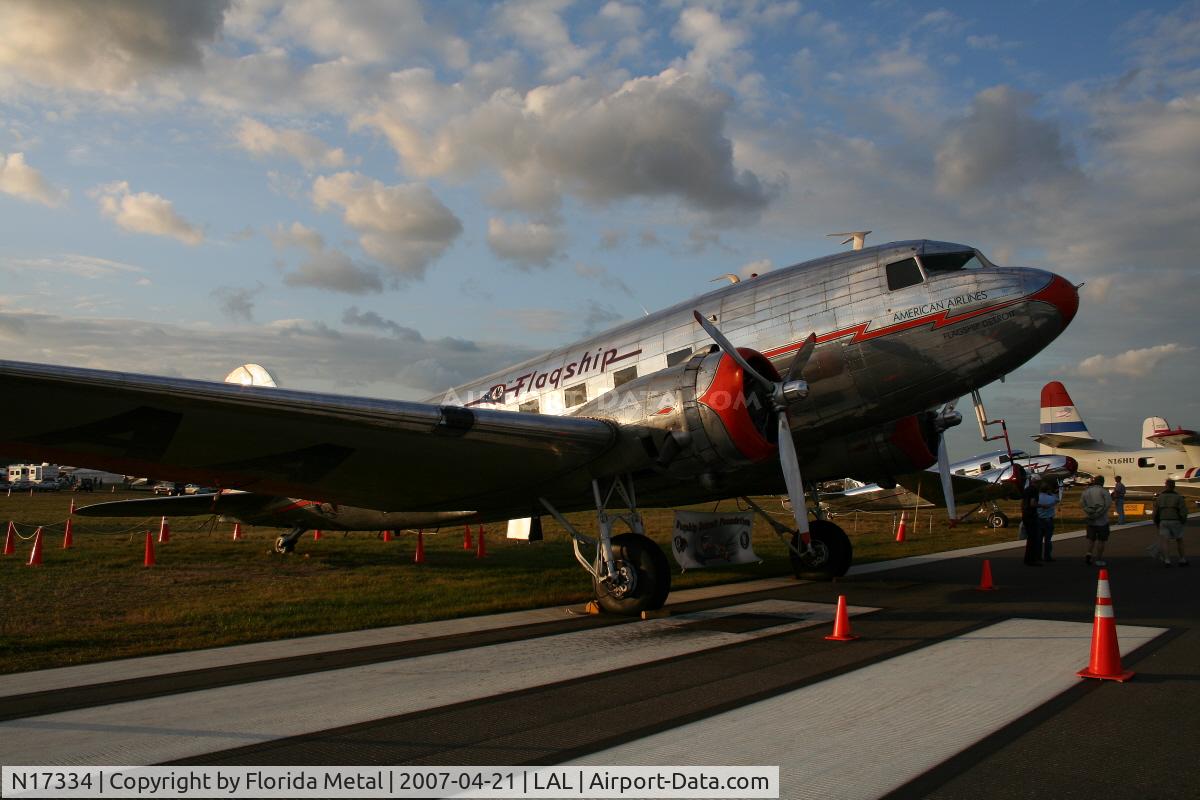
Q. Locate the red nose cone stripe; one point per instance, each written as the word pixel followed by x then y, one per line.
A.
pixel 1054 395
pixel 1062 295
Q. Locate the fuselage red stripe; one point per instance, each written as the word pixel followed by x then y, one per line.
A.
pixel 940 319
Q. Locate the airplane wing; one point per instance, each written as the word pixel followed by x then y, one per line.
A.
pixel 233 504
pixel 380 454
pixel 928 486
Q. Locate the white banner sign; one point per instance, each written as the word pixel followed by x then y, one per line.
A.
pixel 712 540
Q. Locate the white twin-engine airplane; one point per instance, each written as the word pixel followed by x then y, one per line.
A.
pixel 1170 453
pixel 837 365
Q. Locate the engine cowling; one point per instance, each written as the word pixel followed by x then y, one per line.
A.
pixel 876 455
pixel 704 415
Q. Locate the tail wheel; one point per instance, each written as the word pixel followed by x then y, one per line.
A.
pixel 831 556
pixel 646 577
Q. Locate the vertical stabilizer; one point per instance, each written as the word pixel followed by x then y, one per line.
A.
pixel 1059 415
pixel 1151 426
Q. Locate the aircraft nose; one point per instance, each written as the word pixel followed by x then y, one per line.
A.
pixel 1061 294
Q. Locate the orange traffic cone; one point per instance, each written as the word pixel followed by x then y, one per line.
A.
pixel 480 545
pixel 901 530
pixel 148 561
pixel 1105 662
pixel 467 543
pixel 419 556
pixel 985 580
pixel 35 555
pixel 316 536
pixel 10 545
pixel 841 623
pixel 237 531
pixel 387 536
pixel 164 531
pixel 68 539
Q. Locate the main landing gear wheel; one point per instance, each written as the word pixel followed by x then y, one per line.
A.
pixel 646 577
pixel 832 553
pixel 997 519
pixel 287 543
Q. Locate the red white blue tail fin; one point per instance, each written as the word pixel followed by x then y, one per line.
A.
pixel 1061 424
pixel 1059 414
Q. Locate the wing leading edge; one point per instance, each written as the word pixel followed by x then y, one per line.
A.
pixel 380 454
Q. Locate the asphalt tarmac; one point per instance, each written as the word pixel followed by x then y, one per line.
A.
pixel 949 692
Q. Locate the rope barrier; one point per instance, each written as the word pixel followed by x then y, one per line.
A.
pixel 59 526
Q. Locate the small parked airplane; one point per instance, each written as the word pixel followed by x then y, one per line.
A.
pixel 982 479
pixel 1173 453
pixel 843 365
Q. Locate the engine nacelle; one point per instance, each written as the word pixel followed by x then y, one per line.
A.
pixel 906 445
pixel 710 416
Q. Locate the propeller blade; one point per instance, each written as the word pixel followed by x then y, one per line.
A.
pixel 801 358
pixel 947 483
pixel 731 351
pixel 791 476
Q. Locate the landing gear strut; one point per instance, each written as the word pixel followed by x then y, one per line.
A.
pixel 630 573
pixel 828 555
pixel 287 542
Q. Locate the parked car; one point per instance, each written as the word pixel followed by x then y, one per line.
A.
pixel 192 488
pixel 164 488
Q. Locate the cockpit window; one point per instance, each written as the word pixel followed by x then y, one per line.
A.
pixel 950 262
pixel 901 274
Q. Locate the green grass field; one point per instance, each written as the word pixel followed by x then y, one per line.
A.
pixel 96 601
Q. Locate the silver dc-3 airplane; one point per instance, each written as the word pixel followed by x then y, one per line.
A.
pixel 1170 452
pixel 976 481
pixel 841 367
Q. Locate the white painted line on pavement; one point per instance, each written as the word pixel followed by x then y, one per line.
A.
pixel 193 723
pixel 865 733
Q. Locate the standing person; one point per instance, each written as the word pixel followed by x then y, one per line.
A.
pixel 1096 502
pixel 1047 501
pixel 1170 512
pixel 1118 498
pixel 1029 521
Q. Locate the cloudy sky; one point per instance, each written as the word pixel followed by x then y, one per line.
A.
pixel 385 198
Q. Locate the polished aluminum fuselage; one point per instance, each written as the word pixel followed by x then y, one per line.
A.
pixel 880 354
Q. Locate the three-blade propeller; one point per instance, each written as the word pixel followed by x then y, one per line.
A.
pixel 781 391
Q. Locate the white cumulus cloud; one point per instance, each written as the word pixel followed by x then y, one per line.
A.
pixel 655 136
pixel 263 140
pixel 144 212
pixel 1132 363
pixel 528 244
pixel 21 180
pixel 403 226
pixel 106 47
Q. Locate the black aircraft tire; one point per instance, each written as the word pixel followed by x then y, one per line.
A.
pixel 653 576
pixel 997 519
pixel 834 553
pixel 283 546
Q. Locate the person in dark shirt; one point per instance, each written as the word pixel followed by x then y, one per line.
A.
pixel 1029 521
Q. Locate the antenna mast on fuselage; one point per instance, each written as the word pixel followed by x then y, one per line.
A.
pixel 858 237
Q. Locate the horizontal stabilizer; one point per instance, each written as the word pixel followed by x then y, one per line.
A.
pixel 1063 440
pixel 1178 438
